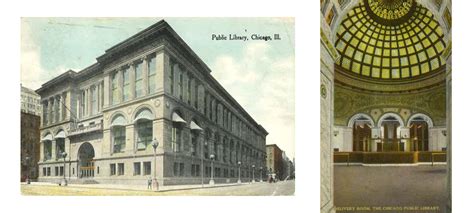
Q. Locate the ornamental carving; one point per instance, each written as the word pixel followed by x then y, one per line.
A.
pixel 323 91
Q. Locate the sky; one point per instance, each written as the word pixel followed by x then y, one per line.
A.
pixel 259 74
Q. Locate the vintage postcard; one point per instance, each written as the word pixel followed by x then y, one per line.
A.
pixel 385 106
pixel 157 106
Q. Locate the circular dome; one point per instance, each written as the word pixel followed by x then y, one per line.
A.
pixel 390 39
pixel 390 11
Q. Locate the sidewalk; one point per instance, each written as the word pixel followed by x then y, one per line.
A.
pixel 143 187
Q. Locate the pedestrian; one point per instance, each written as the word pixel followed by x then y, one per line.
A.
pixel 149 182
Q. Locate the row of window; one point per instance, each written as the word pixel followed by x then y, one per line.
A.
pixel 58 171
pixel 139 168
pixel 130 81
pixel 47 148
pixel 187 91
pixel 54 109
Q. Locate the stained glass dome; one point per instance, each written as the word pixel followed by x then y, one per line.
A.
pixel 390 39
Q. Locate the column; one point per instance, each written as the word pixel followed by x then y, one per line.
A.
pixel 53 149
pixel 130 139
pixel 106 90
pixel 99 101
pixel 161 71
pixel 89 101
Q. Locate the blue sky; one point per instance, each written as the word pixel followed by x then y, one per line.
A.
pixel 258 74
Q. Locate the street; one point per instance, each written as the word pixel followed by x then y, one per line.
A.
pixel 246 189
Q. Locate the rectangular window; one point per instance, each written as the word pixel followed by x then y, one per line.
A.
pixel 180 85
pixel 171 77
pixel 115 91
pixel 112 169
pixel 121 169
pixel 189 90
pixel 147 168
pixel 126 84
pixel 196 94
pixel 56 171
pixel 45 114
pixel 175 139
pixel 61 171
pixel 44 171
pixel 152 74
pixel 139 80
pixel 48 173
pixel 95 105
pixel 137 168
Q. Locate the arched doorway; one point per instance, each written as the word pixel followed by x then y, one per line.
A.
pixel 419 134
pixel 390 134
pixel 86 161
pixel 361 135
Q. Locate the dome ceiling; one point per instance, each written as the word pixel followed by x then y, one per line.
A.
pixel 390 39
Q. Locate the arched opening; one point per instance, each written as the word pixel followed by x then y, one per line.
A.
pixel 47 146
pixel 86 161
pixel 419 134
pixel 361 132
pixel 176 131
pixel 118 133
pixel 144 128
pixel 390 134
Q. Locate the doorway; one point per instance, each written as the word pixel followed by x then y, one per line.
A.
pixel 86 166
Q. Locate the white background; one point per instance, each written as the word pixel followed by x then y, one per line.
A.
pixel 307 43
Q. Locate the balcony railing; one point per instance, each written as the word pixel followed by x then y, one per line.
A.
pixel 86 129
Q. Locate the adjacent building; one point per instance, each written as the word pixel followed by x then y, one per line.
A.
pixel 30 133
pixel 149 88
pixel 275 164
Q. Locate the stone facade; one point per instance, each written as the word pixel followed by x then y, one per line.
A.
pixel 150 87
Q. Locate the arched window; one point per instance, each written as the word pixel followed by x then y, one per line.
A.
pixel 176 129
pixel 59 138
pixel 195 131
pixel 118 133
pixel 47 148
pixel 144 128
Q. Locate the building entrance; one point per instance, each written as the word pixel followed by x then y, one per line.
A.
pixel 86 166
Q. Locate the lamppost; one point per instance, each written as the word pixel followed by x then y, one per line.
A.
pixel 155 181
pixel 253 173
pixel 261 174
pixel 211 182
pixel 239 181
pixel 27 159
pixel 64 155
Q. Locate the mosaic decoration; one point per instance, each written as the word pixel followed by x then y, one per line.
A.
pixel 350 102
pixel 404 43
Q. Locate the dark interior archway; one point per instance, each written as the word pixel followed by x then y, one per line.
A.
pixel 86 156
